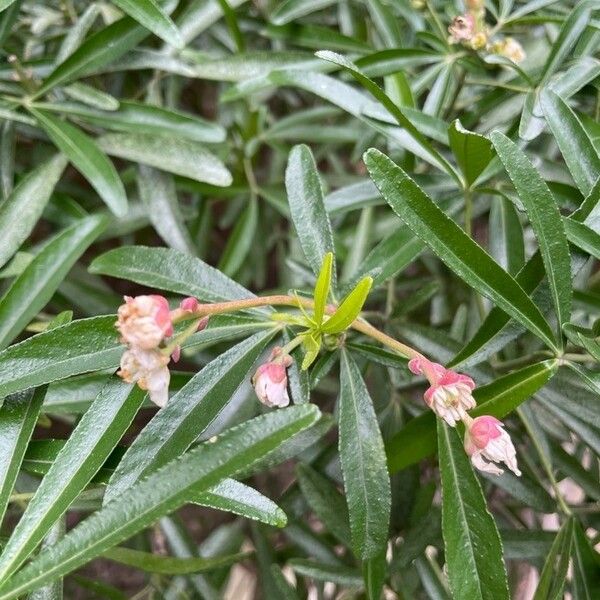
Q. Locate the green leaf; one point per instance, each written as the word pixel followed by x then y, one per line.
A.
pixel 305 197
pixel 238 449
pixel 323 287
pixel 187 414
pixel 90 444
pixel 36 285
pixel 545 219
pixel 169 565
pixel 149 14
pixel 235 497
pixel 87 157
pixel 240 240
pixel 362 455
pixel 464 256
pixel 79 347
pixel 326 502
pixel 586 566
pixel 473 151
pixel 417 440
pixel 20 212
pixel 554 573
pixel 168 269
pixel 158 194
pixel 5 4
pixel 291 10
pixel 90 96
pixel 105 46
pixel 472 544
pixel 341 575
pixel 136 117
pixel 349 309
pixel 574 143
pixel 583 237
pixel 506 236
pixel 168 153
pixel 18 417
pixel 311 343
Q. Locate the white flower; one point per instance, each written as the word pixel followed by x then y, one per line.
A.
pixel 144 321
pixel 147 368
pixel 450 394
pixel 487 443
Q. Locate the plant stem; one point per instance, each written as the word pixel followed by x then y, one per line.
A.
pixel 360 325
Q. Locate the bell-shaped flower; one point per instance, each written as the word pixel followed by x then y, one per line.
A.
pixel 144 321
pixel 147 368
pixel 487 443
pixel 270 380
pixel 450 394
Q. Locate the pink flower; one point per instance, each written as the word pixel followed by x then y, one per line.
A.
pixel 270 380
pixel 144 321
pixel 449 395
pixel 147 368
pixel 462 28
pixel 487 443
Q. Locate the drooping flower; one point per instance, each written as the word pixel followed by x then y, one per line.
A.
pixel 487 443
pixel 144 321
pixel 449 395
pixel 510 48
pixel 147 368
pixel 270 380
pixel 462 28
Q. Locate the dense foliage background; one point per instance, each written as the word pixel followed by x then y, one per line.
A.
pixel 201 148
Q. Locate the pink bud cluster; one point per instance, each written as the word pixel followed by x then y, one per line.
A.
pixel 450 397
pixel 144 323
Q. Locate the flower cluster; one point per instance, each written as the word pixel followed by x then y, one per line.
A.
pixel 471 31
pixel 144 323
pixel 450 397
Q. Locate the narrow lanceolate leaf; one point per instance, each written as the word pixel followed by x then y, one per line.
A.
pixel 78 347
pixel 554 573
pixel 572 139
pixel 36 285
pixel 506 236
pixel 349 309
pixel 586 566
pixel 18 416
pixel 240 242
pixel 168 153
pixel 170 270
pixel 545 219
pixel 21 210
pixel 471 539
pixel 305 197
pixel 417 439
pixel 473 152
pixel 188 413
pixel 290 10
pixel 149 14
pixel 85 155
pixel 101 48
pixel 240 499
pixel 366 478
pixel 238 449
pixel 157 192
pixel 90 444
pixel 322 287
pixel 464 256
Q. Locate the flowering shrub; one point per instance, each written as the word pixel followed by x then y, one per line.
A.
pixel 351 247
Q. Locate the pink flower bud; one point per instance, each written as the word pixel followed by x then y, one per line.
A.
pixel 147 368
pixel 449 395
pixel 189 304
pixel 462 28
pixel 144 321
pixel 487 443
pixel 270 380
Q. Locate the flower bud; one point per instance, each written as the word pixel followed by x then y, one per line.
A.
pixel 511 49
pixel 449 395
pixel 144 321
pixel 270 380
pixel 487 443
pixel 189 304
pixel 147 368
pixel 462 28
